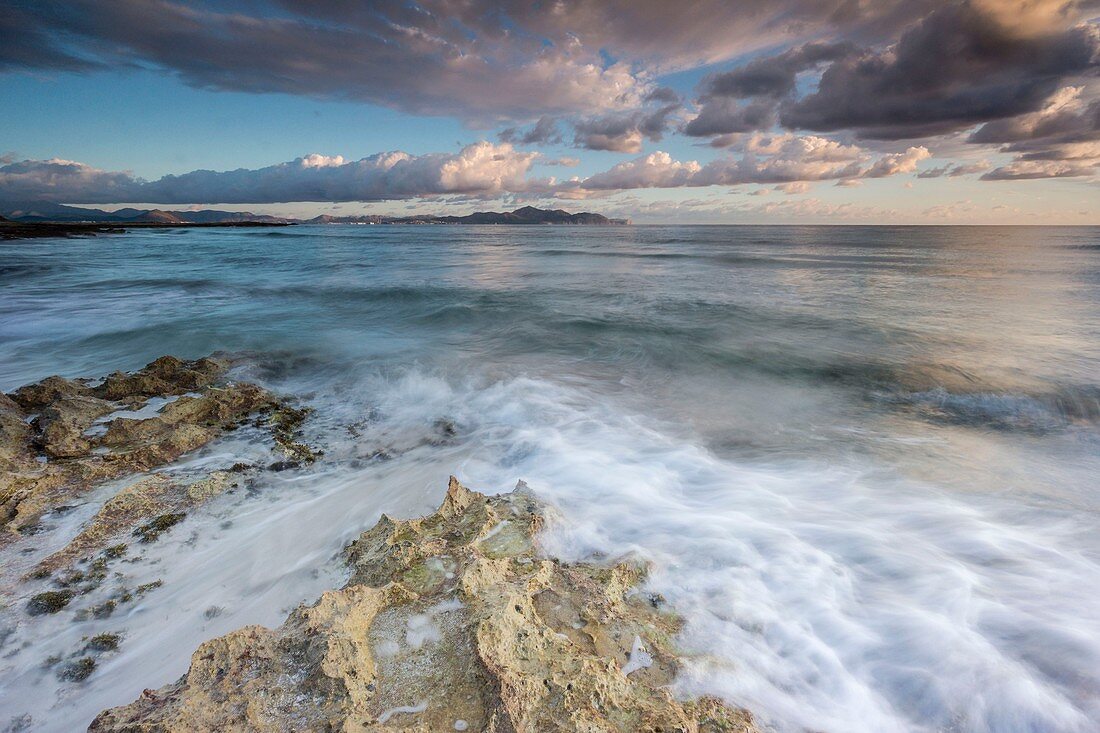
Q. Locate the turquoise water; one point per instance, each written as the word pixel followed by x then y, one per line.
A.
pixel 862 459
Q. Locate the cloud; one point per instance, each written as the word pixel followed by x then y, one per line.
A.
pixel 624 133
pixel 963 64
pixel 766 79
pixel 543 132
pixel 564 161
pixel 656 170
pixel 725 116
pixel 813 209
pixel 1020 74
pixel 1062 140
pixel 615 134
pixel 1064 118
pixel 664 95
pixel 786 161
pixel 1023 170
pixel 24 44
pixel 773 76
pixel 954 171
pixel 795 187
pixel 478 169
pixel 63 181
pixel 765 159
pixel 437 57
pixel 891 165
pixel 480 60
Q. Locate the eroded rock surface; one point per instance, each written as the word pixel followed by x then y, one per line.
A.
pixel 450 622
pixel 61 437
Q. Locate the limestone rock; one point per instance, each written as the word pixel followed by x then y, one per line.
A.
pixel 449 622
pixel 59 437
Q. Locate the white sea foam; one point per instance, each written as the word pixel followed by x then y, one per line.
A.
pixel 833 598
pixel 406 709
pixel 640 658
pixel 830 598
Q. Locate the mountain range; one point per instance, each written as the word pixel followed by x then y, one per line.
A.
pixel 49 212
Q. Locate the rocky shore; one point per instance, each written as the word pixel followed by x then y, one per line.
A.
pixel 453 621
pixel 450 622
pixel 11 230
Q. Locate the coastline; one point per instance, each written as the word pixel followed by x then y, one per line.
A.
pixel 12 230
pixel 458 619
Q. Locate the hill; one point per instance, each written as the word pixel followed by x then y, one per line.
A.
pixel 526 215
pixel 42 211
pixel 35 212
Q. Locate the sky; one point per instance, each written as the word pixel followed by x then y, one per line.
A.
pixel 704 111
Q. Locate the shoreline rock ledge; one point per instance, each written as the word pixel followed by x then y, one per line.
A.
pixel 454 621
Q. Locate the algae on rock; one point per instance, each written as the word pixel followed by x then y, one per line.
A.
pixel 451 621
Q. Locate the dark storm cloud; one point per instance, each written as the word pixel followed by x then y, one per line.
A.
pixel 543 132
pixel 774 76
pixel 23 45
pixel 1059 141
pixel 725 116
pixel 764 82
pixel 963 64
pixel 1061 123
pixel 480 60
pixel 624 133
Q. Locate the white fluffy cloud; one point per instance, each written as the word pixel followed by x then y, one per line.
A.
pixel 479 169
pixel 891 165
pixel 765 159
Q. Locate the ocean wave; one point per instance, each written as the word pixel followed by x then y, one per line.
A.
pixel 822 598
pixel 1035 413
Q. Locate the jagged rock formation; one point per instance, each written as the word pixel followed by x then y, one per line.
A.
pixel 60 437
pixel 449 622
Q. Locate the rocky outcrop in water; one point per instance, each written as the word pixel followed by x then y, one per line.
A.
pixel 61 437
pixel 450 622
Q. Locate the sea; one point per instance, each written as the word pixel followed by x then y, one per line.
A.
pixel 863 462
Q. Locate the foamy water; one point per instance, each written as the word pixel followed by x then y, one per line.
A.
pixel 861 461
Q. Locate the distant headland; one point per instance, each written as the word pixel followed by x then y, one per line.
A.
pixel 18 221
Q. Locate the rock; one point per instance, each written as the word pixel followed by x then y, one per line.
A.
pixel 15 438
pixel 50 601
pixel 82 445
pixel 35 396
pixel 151 530
pixel 125 513
pixel 165 376
pixel 62 423
pixel 452 618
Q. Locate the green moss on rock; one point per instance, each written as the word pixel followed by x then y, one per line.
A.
pixel 151 530
pixel 50 601
pixel 78 670
pixel 103 643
